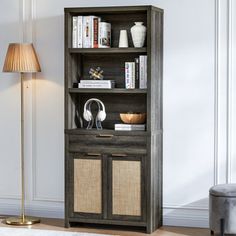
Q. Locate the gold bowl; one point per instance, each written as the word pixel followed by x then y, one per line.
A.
pixel 133 118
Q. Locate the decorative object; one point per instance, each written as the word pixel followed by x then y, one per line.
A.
pixel 222 208
pixel 88 116
pixel 123 41
pixel 21 58
pixel 6 231
pixel 138 32
pixel 133 118
pixel 96 73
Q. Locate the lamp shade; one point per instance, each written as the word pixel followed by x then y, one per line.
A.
pixel 21 57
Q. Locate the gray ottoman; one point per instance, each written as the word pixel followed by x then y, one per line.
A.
pixel 222 209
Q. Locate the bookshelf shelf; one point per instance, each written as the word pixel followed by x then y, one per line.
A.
pixel 116 90
pixel 106 131
pixel 108 50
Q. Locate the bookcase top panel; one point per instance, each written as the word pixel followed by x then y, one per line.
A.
pixel 108 50
pixel 112 9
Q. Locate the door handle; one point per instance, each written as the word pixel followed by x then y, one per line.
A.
pixel 93 154
pixel 105 136
pixel 119 155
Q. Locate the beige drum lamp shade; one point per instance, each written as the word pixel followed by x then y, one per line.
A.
pixel 21 57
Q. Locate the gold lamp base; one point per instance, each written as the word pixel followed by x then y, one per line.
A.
pixel 19 220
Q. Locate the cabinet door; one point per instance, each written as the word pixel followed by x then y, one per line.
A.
pixel 126 187
pixel 88 181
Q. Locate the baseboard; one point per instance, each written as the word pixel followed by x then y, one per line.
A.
pixel 172 217
pixel 186 217
pixel 48 211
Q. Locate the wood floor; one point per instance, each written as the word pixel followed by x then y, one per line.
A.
pixel 56 224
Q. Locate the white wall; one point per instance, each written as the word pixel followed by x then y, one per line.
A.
pixel 199 105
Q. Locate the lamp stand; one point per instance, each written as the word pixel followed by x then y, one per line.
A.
pixel 22 219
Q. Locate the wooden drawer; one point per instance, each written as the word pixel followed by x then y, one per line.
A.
pixel 107 143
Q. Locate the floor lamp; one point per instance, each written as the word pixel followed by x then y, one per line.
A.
pixel 21 58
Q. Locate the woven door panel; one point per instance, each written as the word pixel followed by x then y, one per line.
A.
pixel 87 186
pixel 126 188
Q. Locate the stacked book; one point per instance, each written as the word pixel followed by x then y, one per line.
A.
pixel 136 73
pixel 97 84
pixel 90 32
pixel 130 127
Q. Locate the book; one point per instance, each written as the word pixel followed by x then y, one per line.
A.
pixel 130 127
pixel 86 32
pixel 104 35
pixel 129 75
pixel 142 71
pixel 103 84
pixel 85 81
pixel 136 60
pixel 145 72
pixel 95 39
pixel 80 31
pixel 96 86
pixel 133 75
pixel 74 32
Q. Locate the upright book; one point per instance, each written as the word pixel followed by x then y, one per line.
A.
pixel 142 71
pixel 104 35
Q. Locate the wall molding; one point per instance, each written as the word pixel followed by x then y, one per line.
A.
pixel 181 207
pixel 223 91
pixel 229 91
pixel 33 210
pixel 190 220
pixel 216 94
pixel 34 195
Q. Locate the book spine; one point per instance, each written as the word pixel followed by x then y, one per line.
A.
pixel 129 126
pixel 136 72
pixel 80 31
pixel 102 86
pixel 133 74
pixel 85 83
pixel 145 72
pixel 127 75
pixel 104 35
pixel 74 32
pixel 129 129
pixel 96 21
pixel 96 81
pixel 86 32
pixel 141 72
pixel 91 29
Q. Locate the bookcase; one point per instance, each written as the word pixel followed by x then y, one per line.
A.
pixel 114 177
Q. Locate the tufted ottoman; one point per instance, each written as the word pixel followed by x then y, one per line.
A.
pixel 222 209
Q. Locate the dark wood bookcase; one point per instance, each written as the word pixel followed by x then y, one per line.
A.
pixel 114 177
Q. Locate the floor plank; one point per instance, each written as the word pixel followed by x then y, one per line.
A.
pixel 58 224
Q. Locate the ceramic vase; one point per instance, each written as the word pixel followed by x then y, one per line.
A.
pixel 123 41
pixel 138 32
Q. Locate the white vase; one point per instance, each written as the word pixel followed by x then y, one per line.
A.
pixel 123 41
pixel 138 32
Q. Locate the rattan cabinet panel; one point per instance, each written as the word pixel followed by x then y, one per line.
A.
pixel 126 188
pixel 88 186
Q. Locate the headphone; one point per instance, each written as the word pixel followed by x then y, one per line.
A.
pixel 101 115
